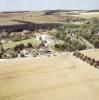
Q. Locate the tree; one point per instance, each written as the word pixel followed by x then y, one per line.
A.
pixel 16 48
pixel 2 47
pixel 40 38
pixel 42 44
pixel 96 43
pixel 21 46
pixel 29 45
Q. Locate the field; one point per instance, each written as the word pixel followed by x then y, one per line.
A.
pixel 94 53
pixel 40 17
pixel 62 77
pixel 88 14
pixel 58 77
pixel 35 17
pixel 25 42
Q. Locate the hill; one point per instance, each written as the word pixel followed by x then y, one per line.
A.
pixel 46 16
pixel 62 77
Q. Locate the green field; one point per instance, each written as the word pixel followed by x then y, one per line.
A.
pixel 25 42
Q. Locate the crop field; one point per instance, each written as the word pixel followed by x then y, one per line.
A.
pixel 94 53
pixel 62 77
pixel 35 17
pixel 39 17
pixel 89 15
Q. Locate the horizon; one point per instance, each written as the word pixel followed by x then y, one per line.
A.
pixel 38 5
pixel 49 10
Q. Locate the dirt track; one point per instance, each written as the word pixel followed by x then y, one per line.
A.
pixel 52 78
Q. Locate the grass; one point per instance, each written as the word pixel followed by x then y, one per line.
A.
pixel 84 26
pixel 25 42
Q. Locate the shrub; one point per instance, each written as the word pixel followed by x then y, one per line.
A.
pixel 96 43
pixel 29 45
pixel 16 48
pixel 21 46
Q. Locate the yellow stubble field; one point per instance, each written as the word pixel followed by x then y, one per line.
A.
pixel 63 77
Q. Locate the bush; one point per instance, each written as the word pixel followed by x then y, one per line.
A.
pixel 21 46
pixel 96 43
pixel 29 45
pixel 16 48
pixel 0 55
pixel 60 47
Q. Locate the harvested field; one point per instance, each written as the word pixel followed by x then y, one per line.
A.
pixel 89 15
pixel 34 17
pixel 93 53
pixel 63 77
pixel 40 17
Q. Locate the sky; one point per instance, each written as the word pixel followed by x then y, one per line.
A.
pixel 21 5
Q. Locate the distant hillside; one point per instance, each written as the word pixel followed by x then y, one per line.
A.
pixel 93 11
pixel 49 12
